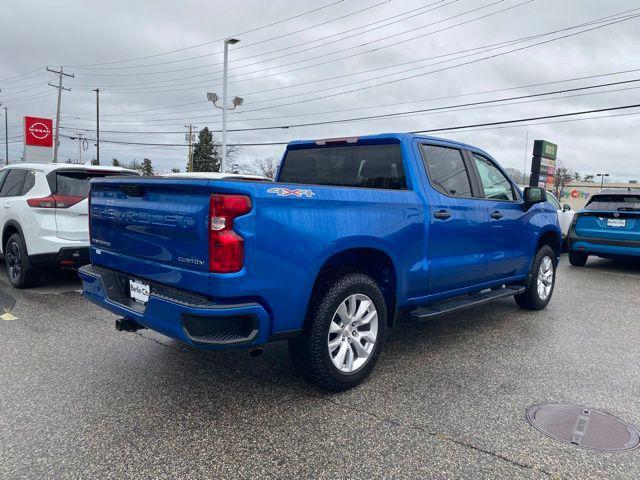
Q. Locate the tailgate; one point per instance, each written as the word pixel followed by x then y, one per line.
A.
pixel 622 226
pixel 159 221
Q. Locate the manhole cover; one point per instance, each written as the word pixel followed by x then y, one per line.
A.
pixel 582 426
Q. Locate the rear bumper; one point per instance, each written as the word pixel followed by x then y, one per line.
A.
pixel 179 314
pixel 603 246
pixel 67 257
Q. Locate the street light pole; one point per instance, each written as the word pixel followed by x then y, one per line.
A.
pixel 227 42
pixel 602 175
pixel 6 137
pixel 97 90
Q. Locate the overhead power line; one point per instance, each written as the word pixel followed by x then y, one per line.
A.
pixel 432 130
pixel 598 24
pixel 610 18
pixel 342 38
pixel 169 52
pixel 342 35
pixel 409 112
pixel 449 67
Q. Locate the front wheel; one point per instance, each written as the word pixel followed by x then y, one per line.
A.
pixel 343 333
pixel 540 282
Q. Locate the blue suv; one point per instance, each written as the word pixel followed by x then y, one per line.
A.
pixel 608 227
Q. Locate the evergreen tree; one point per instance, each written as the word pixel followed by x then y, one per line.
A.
pixel 115 162
pixel 175 170
pixel 206 154
pixel 146 168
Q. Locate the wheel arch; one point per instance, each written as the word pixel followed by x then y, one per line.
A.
pixel 551 238
pixel 9 229
pixel 372 261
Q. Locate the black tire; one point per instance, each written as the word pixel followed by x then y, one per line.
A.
pixel 310 352
pixel 530 298
pixel 20 271
pixel 578 259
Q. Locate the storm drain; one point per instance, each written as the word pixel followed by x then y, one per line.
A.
pixel 583 427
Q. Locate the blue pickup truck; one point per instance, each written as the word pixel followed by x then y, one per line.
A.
pixel 353 233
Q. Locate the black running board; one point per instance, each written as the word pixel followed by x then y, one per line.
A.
pixel 461 303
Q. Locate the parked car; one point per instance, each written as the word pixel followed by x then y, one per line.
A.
pixel 352 233
pixel 44 217
pixel 608 227
pixel 565 214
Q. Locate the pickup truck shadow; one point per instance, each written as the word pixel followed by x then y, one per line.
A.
pixel 408 343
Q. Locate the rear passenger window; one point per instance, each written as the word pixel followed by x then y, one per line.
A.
pixel 12 186
pixel 447 171
pixel 496 185
pixel 29 182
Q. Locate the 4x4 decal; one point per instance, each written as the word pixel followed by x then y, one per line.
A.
pixel 296 192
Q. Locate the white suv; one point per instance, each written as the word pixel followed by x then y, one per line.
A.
pixel 44 217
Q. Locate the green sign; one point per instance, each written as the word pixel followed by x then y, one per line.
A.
pixel 545 149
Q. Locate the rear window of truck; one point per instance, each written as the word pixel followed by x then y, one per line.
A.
pixel 364 166
pixel 614 202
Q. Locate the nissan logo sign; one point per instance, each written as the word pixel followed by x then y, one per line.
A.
pixel 39 130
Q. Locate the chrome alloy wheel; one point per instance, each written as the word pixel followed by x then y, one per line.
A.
pixel 13 260
pixel 545 278
pixel 352 333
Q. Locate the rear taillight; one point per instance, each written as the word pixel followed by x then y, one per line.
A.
pixel 54 201
pixel 226 247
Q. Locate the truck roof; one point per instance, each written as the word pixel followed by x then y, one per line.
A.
pixel 386 136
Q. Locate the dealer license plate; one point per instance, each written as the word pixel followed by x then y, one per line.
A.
pixel 139 291
pixel 616 222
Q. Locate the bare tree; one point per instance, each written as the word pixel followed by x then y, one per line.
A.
pixel 267 167
pixel 563 177
pixel 516 175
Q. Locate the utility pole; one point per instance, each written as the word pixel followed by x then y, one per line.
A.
pixel 80 139
pixel 190 134
pixel 6 137
pixel 97 90
pixel 60 74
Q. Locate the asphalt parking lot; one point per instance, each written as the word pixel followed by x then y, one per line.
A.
pixel 447 400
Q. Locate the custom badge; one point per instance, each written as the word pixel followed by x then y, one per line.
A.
pixel 291 192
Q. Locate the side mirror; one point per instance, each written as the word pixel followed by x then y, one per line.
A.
pixel 533 195
pixel 566 207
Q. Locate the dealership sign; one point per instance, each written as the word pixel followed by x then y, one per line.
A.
pixel 38 132
pixel 38 139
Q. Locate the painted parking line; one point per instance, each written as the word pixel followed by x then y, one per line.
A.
pixel 8 317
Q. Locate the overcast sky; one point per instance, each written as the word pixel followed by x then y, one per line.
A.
pixel 157 59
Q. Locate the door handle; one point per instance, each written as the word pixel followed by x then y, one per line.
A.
pixel 497 215
pixel 442 215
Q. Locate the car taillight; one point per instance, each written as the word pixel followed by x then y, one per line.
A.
pixel 226 247
pixel 54 201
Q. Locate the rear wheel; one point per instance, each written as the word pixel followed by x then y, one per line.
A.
pixel 540 282
pixel 21 273
pixel 578 259
pixel 343 334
